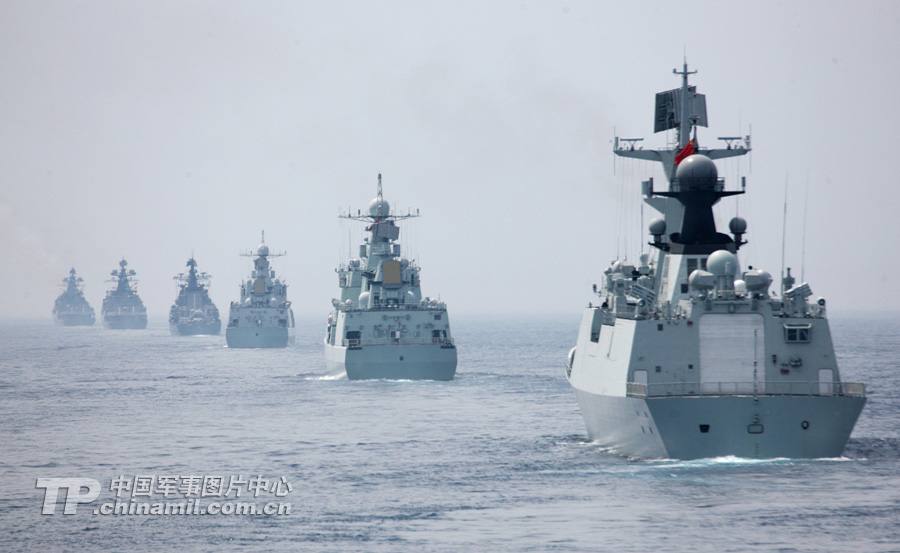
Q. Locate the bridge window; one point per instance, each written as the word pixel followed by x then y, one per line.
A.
pixel 797 333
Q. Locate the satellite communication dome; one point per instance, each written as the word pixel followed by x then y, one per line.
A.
pixel 379 207
pixel 262 250
pixel 698 170
pixel 737 225
pixel 657 227
pixel 721 263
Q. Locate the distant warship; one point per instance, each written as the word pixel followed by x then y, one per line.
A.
pixel 687 356
pixel 263 317
pixel 71 309
pixel 381 326
pixel 193 312
pixel 122 307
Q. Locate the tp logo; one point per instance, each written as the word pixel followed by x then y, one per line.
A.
pixel 74 495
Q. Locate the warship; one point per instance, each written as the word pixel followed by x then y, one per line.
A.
pixel 381 326
pixel 262 318
pixel 688 356
pixel 193 312
pixel 122 307
pixel 70 308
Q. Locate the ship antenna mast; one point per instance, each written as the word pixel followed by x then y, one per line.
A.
pixel 803 247
pixel 684 129
pixel 379 187
pixel 784 230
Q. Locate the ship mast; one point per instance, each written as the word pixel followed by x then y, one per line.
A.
pixel 687 118
pixel 682 109
pixel 379 215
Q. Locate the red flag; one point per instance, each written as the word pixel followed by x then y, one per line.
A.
pixel 688 150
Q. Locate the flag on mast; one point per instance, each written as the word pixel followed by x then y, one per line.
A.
pixel 687 151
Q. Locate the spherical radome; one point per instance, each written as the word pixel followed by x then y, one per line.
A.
pixel 737 225
pixel 722 262
pixel 697 167
pixel 379 207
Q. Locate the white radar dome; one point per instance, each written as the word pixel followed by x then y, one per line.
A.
pixel 657 227
pixel 697 166
pixel 721 263
pixel 262 250
pixel 379 208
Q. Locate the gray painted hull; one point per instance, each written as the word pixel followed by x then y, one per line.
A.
pixel 201 329
pixel 74 319
pixel 392 362
pixel 742 426
pixel 258 337
pixel 124 322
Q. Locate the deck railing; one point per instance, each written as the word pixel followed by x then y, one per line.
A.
pixel 768 388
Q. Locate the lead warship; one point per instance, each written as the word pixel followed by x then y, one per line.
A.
pixel 262 318
pixel 382 327
pixel 193 312
pixel 70 308
pixel 122 307
pixel 687 356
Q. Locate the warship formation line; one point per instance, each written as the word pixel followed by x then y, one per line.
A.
pixel 263 317
pixel 193 312
pixel 687 356
pixel 381 326
pixel 122 307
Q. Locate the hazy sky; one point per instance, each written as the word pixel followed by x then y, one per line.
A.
pixel 153 129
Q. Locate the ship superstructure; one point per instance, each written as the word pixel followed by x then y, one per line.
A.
pixel 70 308
pixel 690 356
pixel 122 307
pixel 263 317
pixel 193 312
pixel 381 326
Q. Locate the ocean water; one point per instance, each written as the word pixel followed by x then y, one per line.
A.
pixel 495 460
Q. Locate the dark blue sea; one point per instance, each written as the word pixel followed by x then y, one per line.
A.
pixel 495 460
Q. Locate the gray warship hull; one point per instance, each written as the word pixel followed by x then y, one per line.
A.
pixel 392 362
pixel 382 327
pixel 124 322
pixel 690 356
pixel 194 313
pixel 263 317
pixel 696 427
pixel 74 319
pixel 196 329
pixel 259 337
pixel 70 308
pixel 122 307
